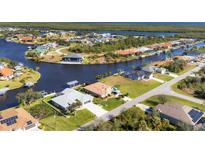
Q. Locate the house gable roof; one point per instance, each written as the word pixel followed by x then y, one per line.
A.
pixel 180 112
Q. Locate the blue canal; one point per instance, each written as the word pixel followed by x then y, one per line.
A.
pixel 55 76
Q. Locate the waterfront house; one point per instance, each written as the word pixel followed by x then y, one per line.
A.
pixel 70 96
pixel 144 49
pixel 17 119
pixel 127 52
pixel 26 39
pixel 154 69
pixel 73 58
pixel 138 75
pixel 99 89
pixel 6 73
pixel 176 113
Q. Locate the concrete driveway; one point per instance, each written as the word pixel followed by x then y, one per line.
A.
pixel 95 109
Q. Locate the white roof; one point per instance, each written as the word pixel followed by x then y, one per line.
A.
pixel 70 96
pixel 144 49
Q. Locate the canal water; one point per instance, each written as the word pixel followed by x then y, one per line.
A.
pixel 55 76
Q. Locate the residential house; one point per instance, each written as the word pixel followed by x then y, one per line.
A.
pixel 127 52
pixel 154 69
pixel 99 89
pixel 138 75
pixel 144 49
pixel 73 58
pixel 70 96
pixel 17 119
pixel 177 113
pixel 26 39
pixel 6 73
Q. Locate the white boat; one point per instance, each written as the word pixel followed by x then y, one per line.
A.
pixel 28 84
pixel 3 91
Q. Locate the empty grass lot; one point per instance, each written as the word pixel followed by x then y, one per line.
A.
pixel 186 69
pixel 163 77
pixel 154 101
pixel 61 123
pixel 109 103
pixel 134 88
pixel 174 88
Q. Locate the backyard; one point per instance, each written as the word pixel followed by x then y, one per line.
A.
pixel 155 100
pixel 133 88
pixel 61 123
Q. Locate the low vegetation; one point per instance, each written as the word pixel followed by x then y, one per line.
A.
pixel 126 43
pixel 190 29
pixel 194 86
pixel 29 96
pixel 176 66
pixel 39 109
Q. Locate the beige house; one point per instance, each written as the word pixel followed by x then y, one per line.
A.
pixel 99 89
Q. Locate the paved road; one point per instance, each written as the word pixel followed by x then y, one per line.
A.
pixel 162 89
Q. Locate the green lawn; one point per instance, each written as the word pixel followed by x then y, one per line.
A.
pixel 61 123
pixel 164 77
pixel 154 101
pixel 134 88
pixel 109 103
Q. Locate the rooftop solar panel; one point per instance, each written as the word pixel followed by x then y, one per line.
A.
pixel 195 115
pixel 9 121
pixel 29 122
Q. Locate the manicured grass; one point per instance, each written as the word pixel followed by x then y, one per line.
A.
pixel 154 101
pixel 109 103
pixel 132 87
pixel 29 75
pixel 186 69
pixel 61 123
pixel 164 77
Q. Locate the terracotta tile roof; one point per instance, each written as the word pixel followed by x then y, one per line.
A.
pixel 6 71
pixel 26 39
pixel 99 89
pixel 23 120
pixel 127 52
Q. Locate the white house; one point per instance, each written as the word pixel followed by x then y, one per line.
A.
pixel 70 96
